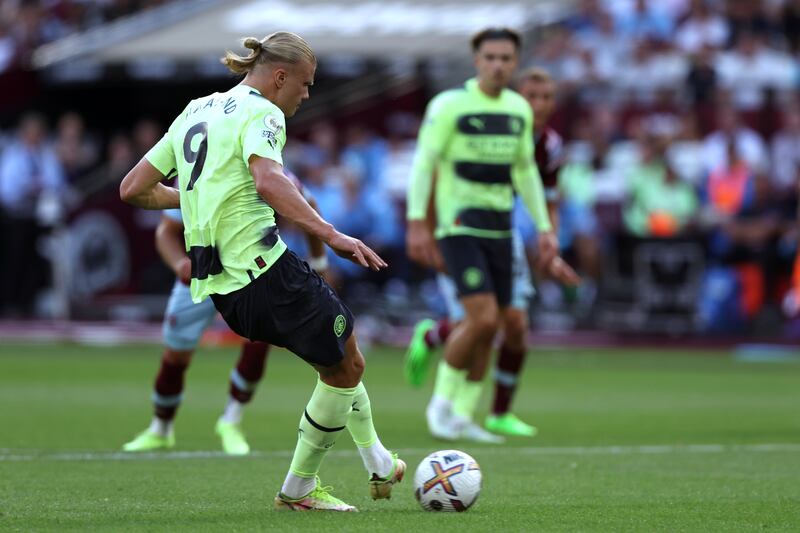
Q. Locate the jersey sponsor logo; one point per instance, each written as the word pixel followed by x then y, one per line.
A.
pixel 477 123
pixel 490 124
pixel 338 325
pixel 473 277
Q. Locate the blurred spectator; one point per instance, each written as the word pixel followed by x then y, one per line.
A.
pixel 76 151
pixel 702 78
pixel 586 18
pixel 650 70
pixel 365 150
pixel 608 47
pixel 790 22
pixel 702 28
pixel 402 129
pixel 749 145
pixel 751 67
pixel 7 47
pixel 146 133
pixel 120 158
pixel 30 173
pixel 748 16
pixel 645 22
pixel 786 153
pixel 659 203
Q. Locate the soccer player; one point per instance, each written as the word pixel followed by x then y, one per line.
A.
pixel 184 324
pixel 479 141
pixel 227 148
pixel 538 88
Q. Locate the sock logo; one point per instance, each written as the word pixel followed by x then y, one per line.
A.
pixel 339 325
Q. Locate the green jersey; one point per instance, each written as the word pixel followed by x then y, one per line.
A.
pixel 230 232
pixel 481 149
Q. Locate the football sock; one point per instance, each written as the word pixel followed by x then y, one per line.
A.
pixel 437 335
pixel 324 418
pixel 233 411
pixel 449 381
pixel 160 427
pixel 466 401
pixel 506 376
pixel 249 370
pixel 377 459
pixel 168 388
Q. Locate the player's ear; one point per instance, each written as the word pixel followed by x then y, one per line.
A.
pixel 279 75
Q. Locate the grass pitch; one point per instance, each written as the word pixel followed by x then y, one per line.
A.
pixel 629 441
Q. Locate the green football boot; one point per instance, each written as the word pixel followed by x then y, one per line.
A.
pixel 233 441
pixel 147 441
pixel 418 355
pixel 319 499
pixel 509 424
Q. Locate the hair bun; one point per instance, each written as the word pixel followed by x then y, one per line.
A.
pixel 252 43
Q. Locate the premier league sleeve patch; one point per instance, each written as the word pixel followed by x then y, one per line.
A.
pixel 272 128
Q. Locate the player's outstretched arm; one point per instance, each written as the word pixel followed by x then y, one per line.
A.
pixel 280 193
pixel 142 188
pixel 169 243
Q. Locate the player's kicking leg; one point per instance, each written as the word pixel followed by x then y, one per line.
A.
pixel 243 382
pixel 290 305
pixel 184 323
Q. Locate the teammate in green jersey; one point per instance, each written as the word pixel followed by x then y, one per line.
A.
pixel 479 141
pixel 226 149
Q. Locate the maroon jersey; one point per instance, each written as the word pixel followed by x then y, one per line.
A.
pixel 549 157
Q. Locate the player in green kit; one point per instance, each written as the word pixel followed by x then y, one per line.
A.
pixel 226 149
pixel 478 139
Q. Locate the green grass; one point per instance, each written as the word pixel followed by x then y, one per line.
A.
pixel 64 408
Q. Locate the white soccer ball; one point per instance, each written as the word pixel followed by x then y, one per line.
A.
pixel 447 480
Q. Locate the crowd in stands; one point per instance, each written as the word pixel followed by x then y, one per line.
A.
pixel 26 24
pixel 681 118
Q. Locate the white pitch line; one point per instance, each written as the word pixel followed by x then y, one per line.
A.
pixel 7 455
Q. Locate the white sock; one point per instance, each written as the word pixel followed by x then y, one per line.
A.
pixel 377 459
pixel 160 427
pixel 440 405
pixel 233 411
pixel 296 487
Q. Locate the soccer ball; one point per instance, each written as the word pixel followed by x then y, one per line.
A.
pixel 447 480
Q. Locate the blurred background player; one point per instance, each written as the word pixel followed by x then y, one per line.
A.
pixel 227 149
pixel 479 141
pixel 184 324
pixel 539 89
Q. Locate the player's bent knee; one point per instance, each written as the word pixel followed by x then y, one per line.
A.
pixel 486 323
pixel 347 372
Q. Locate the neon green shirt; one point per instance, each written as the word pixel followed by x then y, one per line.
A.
pixel 482 151
pixel 230 232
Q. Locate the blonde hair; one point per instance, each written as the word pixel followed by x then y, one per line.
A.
pixel 535 74
pixel 278 47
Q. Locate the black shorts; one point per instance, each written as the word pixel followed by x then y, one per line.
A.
pixel 479 265
pixel 290 306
